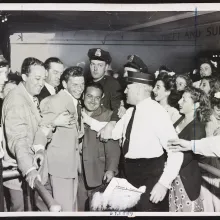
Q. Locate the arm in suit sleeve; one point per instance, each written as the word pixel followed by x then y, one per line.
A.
pixel 116 97
pixel 112 151
pixel 208 147
pixel 16 130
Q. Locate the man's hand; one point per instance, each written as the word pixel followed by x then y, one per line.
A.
pixel 65 119
pixel 158 193
pixel 31 176
pixel 108 176
pixel 38 158
pixel 106 133
pixel 177 145
pixel 121 111
pixel 7 164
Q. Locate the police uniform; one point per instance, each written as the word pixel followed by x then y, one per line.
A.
pixel 112 88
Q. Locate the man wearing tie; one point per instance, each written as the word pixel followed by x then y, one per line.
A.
pixel 54 69
pixel 63 150
pixel 145 129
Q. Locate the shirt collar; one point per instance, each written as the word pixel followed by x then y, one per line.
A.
pixel 143 102
pixel 50 88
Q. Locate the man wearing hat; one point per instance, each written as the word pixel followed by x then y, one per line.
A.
pixel 146 129
pixel 99 63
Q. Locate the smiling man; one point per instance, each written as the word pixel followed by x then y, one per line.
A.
pixel 63 150
pixel 100 160
pixel 20 118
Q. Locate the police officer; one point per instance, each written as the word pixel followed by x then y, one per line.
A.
pixel 99 63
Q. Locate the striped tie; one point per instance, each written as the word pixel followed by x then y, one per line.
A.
pixel 36 102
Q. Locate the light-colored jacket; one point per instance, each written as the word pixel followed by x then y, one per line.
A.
pixel 63 150
pixel 20 120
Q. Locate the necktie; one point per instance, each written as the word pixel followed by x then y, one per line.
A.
pixel 36 102
pixel 128 133
pixel 79 109
pixel 56 89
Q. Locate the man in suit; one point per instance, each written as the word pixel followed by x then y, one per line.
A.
pixel 20 120
pixel 54 69
pixel 63 149
pixel 99 160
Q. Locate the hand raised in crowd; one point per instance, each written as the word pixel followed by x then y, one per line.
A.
pixel 31 176
pixel 38 158
pixel 7 164
pixel 121 110
pixel 158 193
pixel 177 145
pixel 108 176
pixel 106 133
pixel 65 119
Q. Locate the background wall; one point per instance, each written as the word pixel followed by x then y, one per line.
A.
pixel 177 49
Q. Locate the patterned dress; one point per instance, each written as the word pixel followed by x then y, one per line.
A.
pixel 178 199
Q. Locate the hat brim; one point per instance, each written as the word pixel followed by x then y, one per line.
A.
pixel 100 58
pixel 132 65
pixel 140 77
pixel 4 63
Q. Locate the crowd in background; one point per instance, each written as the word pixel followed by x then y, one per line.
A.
pixel 48 113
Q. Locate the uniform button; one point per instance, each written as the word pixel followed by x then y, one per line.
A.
pixel 77 149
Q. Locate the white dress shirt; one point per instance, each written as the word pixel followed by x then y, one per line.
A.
pixel 151 130
pixel 50 88
pixel 209 147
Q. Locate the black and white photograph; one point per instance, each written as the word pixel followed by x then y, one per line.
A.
pixel 111 109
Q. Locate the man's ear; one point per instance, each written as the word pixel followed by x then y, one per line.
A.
pixel 24 77
pixel 106 67
pixel 47 73
pixel 103 95
pixel 64 84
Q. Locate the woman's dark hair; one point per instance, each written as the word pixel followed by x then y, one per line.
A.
pixel 214 82
pixel 208 61
pixel 204 110
pixel 170 85
pixel 14 78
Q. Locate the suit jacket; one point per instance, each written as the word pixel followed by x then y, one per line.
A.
pixel 43 94
pixel 99 157
pixel 20 120
pixel 63 150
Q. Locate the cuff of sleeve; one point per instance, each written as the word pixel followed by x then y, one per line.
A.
pixel 32 168
pixel 164 182
pixel 193 145
pixel 38 147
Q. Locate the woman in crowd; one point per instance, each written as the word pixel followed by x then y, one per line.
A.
pixel 210 189
pixel 185 191
pixel 209 83
pixel 165 93
pixel 206 69
pixel 183 81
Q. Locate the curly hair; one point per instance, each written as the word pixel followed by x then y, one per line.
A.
pixel 170 85
pixel 203 112
pixel 208 61
pixel 214 82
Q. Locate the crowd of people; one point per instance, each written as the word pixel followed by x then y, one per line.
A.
pixel 74 133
